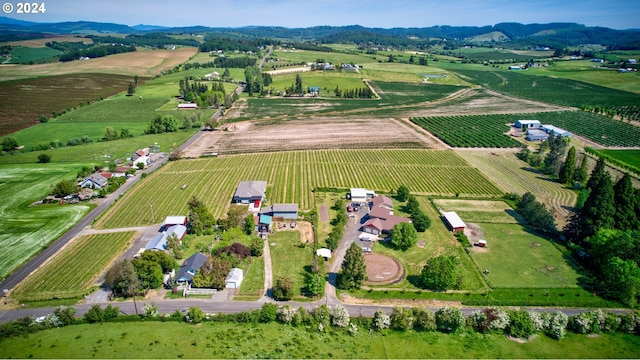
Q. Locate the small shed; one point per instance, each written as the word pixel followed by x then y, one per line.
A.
pixel 482 243
pixel 536 135
pixel 169 221
pixel 234 279
pixel 454 221
pixel 179 231
pixel 187 106
pixel 528 124
pixel 360 195
pixel 324 252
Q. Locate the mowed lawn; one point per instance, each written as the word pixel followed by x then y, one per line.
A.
pixel 212 340
pixel 480 211
pixel 517 258
pixel 252 286
pixel 25 228
pixel 289 258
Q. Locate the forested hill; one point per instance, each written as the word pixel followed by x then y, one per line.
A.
pixel 554 35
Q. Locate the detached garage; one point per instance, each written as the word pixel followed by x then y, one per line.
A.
pixel 234 279
pixel 453 221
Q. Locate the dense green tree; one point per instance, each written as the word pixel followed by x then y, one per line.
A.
pixel 535 213
pixel 621 278
pixel 401 319
pixel 421 222
pixel 200 218
pixel 413 206
pixel 440 273
pixel 404 236
pixel 249 225
pixel 283 289
pixel 521 325
pixel 122 278
pixel 403 193
pixel 449 319
pixel 257 246
pixel 162 124
pixel 94 314
pixel 162 258
pixel 226 75
pixel 64 188
pixel 235 216
pixel 625 204
pixel 9 144
pixel 553 160
pixel 110 134
pixel 131 89
pixel 354 269
pixel 149 272
pixel 299 87
pixel 44 158
pixel 597 173
pixel 582 173
pixel 568 168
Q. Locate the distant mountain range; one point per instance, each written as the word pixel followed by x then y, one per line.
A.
pixel 553 34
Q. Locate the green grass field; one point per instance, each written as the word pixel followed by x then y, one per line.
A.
pixel 291 176
pixel 289 258
pixel 516 258
pixel 631 157
pixel 227 340
pixel 25 228
pixel 480 210
pixel 26 55
pixel 72 272
pixel 252 286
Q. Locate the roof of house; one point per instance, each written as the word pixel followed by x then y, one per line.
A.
pixel 175 220
pixel 526 122
pixel 249 189
pixel 374 223
pixel 360 192
pixel 382 200
pixel 279 208
pixel 159 242
pixel 177 230
pixel 324 252
pixel 453 219
pixel 191 266
pixel 556 130
pixel 265 219
pixel 97 179
pixel 386 217
pixel 235 275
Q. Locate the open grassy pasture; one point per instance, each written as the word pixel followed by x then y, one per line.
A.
pixel 289 257
pixel 484 211
pixel 26 55
pixel 291 176
pixel 24 101
pixel 25 228
pixel 631 157
pixel 144 63
pixel 553 90
pixel 72 272
pixel 437 240
pixel 309 56
pixel 252 286
pixel 228 340
pixel 585 70
pixel 327 81
pixel 512 175
pixel 517 258
pixel 94 153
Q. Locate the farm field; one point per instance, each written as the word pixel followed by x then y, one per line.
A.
pixel 103 152
pixel 631 157
pixel 24 101
pixel 436 240
pixel 484 211
pixel 289 257
pixel 517 258
pixel 26 55
pixel 72 271
pixel 512 175
pixel 469 131
pixel 230 340
pixel 327 81
pixel 291 176
pixel 144 63
pixel 25 228
pixel 311 133
pixel 559 91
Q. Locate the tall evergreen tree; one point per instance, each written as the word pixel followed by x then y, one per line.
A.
pixel 553 160
pixel 599 209
pixel 354 269
pixel 568 167
pixel 625 204
pixel 597 173
pixel 582 173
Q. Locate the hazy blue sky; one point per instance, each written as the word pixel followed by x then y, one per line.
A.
pixel 620 14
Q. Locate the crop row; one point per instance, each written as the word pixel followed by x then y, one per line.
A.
pixel 485 131
pixel 71 272
pixel 551 90
pixel 291 177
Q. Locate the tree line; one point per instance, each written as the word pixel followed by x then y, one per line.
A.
pixel 96 52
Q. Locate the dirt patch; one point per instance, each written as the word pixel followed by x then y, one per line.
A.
pixel 311 134
pixel 324 213
pixel 473 232
pixel 306 232
pixel 348 299
pixel 382 269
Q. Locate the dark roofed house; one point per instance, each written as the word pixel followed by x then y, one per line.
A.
pixel 190 267
pixel 250 192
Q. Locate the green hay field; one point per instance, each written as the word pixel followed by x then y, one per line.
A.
pixel 517 258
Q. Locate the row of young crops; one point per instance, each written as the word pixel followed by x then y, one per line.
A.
pixel 72 271
pixel 631 112
pixel 485 131
pixel 488 130
pixel 292 177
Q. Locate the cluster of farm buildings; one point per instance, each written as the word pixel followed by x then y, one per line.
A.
pixel 536 131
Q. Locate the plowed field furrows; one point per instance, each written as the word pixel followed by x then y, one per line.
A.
pixel 291 176
pixel 515 176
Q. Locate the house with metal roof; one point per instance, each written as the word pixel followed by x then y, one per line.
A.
pixel 94 181
pixel 190 267
pixel 250 192
pixel 454 221
pixel 281 211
